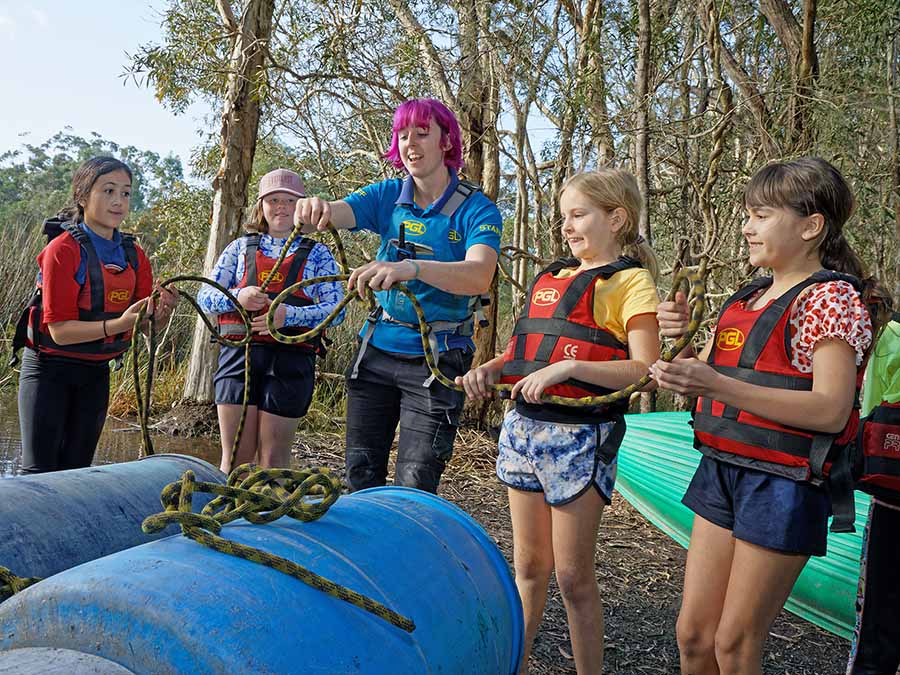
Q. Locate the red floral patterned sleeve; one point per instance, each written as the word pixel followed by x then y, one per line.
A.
pixel 832 310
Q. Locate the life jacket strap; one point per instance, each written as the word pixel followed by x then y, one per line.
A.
pixel 464 190
pixel 371 320
pixel 840 483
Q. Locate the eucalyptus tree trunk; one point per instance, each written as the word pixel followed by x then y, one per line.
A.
pixel 642 113
pixel 893 80
pixel 240 125
pixel 642 140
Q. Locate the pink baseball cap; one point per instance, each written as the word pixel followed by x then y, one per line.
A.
pixel 281 180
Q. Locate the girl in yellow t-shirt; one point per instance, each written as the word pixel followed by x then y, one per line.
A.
pixel 589 327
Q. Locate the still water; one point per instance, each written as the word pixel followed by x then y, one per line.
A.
pixel 120 441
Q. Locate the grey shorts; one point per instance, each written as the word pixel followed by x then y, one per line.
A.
pixel 561 460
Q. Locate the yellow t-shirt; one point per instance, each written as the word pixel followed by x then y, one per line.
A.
pixel 620 298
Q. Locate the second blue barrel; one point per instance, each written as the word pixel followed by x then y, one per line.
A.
pixel 175 606
pixel 50 522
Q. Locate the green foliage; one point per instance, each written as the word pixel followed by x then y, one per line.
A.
pixel 35 182
pixel 175 229
pixel 188 64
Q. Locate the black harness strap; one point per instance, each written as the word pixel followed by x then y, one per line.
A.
pixel 130 251
pixel 250 249
pixel 300 256
pixel 94 270
pixel 764 379
pixel 560 327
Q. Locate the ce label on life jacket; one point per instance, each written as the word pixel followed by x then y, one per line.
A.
pixel 570 351
pixel 730 339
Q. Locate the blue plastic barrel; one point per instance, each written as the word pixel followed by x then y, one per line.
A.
pixel 50 522
pixel 175 606
pixel 44 661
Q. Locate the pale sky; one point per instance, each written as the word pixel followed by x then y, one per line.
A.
pixel 62 62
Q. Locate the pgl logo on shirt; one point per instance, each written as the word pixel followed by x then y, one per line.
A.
pixel 454 236
pixel 413 227
pixel 545 296
pixel 264 276
pixel 119 296
pixel 730 339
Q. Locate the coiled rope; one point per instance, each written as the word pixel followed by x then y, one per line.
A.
pixel 694 280
pixel 195 526
pixel 143 394
pixel 262 496
pixel 10 584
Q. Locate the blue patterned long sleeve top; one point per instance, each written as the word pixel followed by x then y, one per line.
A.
pixel 229 270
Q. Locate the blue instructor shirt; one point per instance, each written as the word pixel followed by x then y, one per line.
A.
pixel 387 206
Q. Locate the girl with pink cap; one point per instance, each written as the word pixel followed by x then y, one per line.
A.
pixel 281 376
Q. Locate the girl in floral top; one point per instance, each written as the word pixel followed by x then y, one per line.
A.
pixel 776 387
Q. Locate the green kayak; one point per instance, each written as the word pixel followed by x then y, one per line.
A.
pixel 656 463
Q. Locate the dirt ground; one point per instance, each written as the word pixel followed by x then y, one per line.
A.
pixel 639 568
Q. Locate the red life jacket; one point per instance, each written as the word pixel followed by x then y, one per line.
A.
pixel 755 347
pixel 878 451
pixel 105 294
pixel 558 323
pixel 257 268
pixel 877 458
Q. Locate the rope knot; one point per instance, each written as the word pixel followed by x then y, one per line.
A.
pixel 262 496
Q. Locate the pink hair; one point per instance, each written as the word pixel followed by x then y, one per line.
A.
pixel 419 112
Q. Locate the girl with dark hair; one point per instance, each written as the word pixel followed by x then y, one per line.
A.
pixel 93 281
pixel 776 385
pixel 282 376
pixel 441 237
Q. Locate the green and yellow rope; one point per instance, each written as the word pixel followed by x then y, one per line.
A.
pixel 693 279
pixel 10 584
pixel 262 496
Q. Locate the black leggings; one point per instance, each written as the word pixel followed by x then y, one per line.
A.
pixel 876 642
pixel 62 408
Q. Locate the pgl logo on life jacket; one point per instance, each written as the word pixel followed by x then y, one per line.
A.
pixel 264 276
pixel 454 236
pixel 545 296
pixel 413 227
pixel 730 339
pixel 118 296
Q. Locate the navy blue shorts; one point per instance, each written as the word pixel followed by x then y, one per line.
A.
pixel 761 508
pixel 281 382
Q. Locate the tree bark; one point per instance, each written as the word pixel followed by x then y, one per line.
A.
pixel 642 140
pixel 782 20
pixel 488 110
pixel 749 92
pixel 240 125
pixel 893 79
pixel 642 104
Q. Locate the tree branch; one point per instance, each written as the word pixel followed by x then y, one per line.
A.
pixel 227 15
